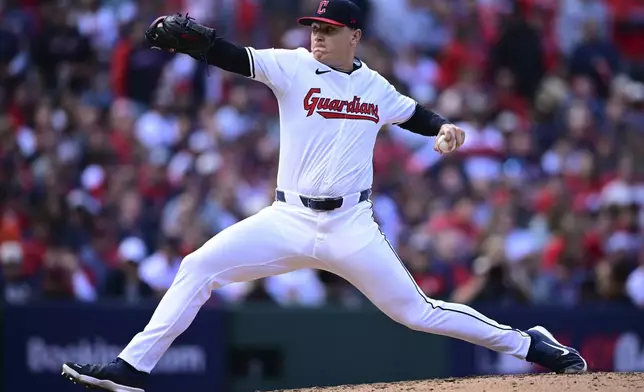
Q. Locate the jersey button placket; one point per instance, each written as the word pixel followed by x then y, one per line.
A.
pixel 333 165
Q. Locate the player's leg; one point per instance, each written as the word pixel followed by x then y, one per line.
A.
pixel 360 253
pixel 272 242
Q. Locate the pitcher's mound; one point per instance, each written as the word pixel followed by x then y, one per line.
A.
pixel 587 382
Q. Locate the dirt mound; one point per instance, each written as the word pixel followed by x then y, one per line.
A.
pixel 588 382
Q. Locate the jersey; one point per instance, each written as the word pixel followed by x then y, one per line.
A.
pixel 329 120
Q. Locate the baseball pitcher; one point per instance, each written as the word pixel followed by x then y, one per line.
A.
pixel 331 108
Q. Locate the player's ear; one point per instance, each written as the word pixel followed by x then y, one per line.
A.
pixel 357 36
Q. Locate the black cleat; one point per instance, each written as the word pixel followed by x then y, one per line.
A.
pixel 546 351
pixel 115 376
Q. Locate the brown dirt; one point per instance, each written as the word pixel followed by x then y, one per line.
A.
pixel 588 382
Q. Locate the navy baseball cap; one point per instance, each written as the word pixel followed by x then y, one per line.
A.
pixel 342 13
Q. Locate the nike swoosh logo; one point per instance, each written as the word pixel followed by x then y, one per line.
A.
pixel 563 350
pixel 318 72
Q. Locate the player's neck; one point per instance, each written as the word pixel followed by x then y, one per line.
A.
pixel 345 65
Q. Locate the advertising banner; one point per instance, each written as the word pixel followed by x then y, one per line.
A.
pixel 38 339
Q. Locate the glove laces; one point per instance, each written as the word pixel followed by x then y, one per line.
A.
pixel 201 55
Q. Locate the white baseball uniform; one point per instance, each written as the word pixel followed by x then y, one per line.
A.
pixel 329 122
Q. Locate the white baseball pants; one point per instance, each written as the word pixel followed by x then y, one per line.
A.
pixel 286 236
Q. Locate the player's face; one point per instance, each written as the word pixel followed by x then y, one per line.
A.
pixel 330 43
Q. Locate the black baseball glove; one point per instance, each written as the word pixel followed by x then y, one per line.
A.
pixel 178 33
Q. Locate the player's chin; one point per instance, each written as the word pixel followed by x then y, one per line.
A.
pixel 319 53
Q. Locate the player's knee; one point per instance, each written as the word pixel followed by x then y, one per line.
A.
pixel 192 263
pixel 200 265
pixel 401 317
pixel 414 322
pixel 416 319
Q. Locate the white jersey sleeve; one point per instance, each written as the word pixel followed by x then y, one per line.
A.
pixel 274 67
pixel 396 107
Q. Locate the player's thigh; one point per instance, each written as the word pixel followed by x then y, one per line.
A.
pixel 379 274
pixel 361 254
pixel 271 242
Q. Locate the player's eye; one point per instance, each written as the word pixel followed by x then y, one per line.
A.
pixel 326 30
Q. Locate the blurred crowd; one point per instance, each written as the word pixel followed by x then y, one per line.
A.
pixel 117 160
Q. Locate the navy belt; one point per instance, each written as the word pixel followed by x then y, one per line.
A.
pixel 322 203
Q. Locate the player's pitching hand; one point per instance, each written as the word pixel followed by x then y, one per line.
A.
pixel 453 135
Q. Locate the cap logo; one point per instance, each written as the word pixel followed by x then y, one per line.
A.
pixel 322 6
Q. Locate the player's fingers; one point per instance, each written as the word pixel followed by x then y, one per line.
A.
pixel 436 148
pixel 460 138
